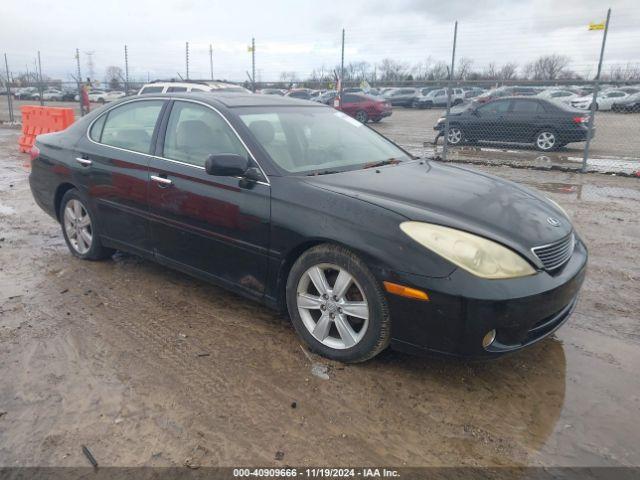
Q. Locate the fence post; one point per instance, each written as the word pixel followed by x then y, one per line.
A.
pixel 79 82
pixel 592 116
pixel 126 69
pixel 41 88
pixel 446 121
pixel 9 97
pixel 341 72
pixel 253 64
pixel 211 60
pixel 186 57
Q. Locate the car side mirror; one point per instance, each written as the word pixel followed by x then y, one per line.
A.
pixel 226 165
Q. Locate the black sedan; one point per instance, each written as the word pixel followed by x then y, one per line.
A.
pixel 630 104
pixel 545 124
pixel 299 206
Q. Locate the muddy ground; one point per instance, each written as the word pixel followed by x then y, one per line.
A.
pixel 147 366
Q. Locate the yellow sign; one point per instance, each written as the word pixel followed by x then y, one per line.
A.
pixel 596 26
pixel 249 49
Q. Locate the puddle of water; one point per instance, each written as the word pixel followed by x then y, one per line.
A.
pixel 6 210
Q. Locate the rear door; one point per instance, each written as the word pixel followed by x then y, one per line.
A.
pixel 211 226
pixel 114 161
pixel 524 119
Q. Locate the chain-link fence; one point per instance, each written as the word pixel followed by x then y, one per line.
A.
pixel 512 97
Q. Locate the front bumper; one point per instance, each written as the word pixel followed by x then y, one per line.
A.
pixel 463 308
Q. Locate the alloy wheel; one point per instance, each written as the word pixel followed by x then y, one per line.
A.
pixel 332 306
pixel 455 135
pixel 77 225
pixel 545 140
pixel 361 116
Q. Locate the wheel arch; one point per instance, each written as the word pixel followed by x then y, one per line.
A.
pixel 57 198
pixel 296 252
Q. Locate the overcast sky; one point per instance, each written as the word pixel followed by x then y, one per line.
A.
pixel 296 35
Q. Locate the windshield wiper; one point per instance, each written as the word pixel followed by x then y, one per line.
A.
pixel 389 161
pixel 323 172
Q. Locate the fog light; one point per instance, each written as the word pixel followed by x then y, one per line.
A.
pixel 488 338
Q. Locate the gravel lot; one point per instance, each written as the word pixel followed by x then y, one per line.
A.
pixel 147 366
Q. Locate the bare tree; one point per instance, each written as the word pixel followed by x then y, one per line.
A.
pixel 547 67
pixel 392 71
pixel 624 73
pixel 463 68
pixel 508 71
pixel 113 76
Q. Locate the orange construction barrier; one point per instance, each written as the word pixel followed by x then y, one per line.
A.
pixel 37 120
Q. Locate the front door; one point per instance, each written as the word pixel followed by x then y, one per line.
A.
pixel 216 227
pixel 488 122
pixel 115 161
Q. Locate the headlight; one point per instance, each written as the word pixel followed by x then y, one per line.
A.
pixel 477 255
pixel 440 120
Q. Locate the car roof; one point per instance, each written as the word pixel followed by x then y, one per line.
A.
pixel 232 100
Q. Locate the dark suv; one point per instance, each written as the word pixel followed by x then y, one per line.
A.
pixel 546 124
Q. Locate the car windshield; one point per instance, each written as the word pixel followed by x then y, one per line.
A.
pixel 311 140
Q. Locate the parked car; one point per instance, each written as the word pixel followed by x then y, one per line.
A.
pixel 627 104
pixel 438 98
pixel 401 96
pixel 301 93
pixel 559 95
pixel 326 98
pixel 26 93
pixel 101 96
pixel 52 94
pixel 473 92
pixel 191 86
pixel 300 207
pixel 507 92
pixel 271 91
pixel 604 100
pixel 364 107
pixel 69 95
pixel 545 124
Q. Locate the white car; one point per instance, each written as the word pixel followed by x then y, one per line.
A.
pixel 438 98
pixel 559 95
pixel 195 86
pixel 604 100
pixel 52 94
pixel 101 96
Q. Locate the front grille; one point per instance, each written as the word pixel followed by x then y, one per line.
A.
pixel 555 254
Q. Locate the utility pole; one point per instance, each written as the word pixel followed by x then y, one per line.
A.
pixel 341 71
pixel 595 95
pixel 9 96
pixel 90 65
pixel 41 87
pixel 253 64
pixel 187 59
pixel 126 69
pixel 211 60
pixel 79 82
pixel 446 122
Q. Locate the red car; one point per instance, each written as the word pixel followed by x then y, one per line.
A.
pixel 364 107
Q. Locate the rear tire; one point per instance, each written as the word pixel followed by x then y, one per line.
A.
pixel 337 306
pixel 79 228
pixel 546 140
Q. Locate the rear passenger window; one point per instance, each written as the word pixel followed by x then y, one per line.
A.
pixel 176 89
pixel 151 90
pixel 522 106
pixel 194 132
pixel 131 125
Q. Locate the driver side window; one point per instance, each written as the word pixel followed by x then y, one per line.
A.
pixel 194 132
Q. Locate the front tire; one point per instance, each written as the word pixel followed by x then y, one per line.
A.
pixel 79 228
pixel 456 135
pixel 337 306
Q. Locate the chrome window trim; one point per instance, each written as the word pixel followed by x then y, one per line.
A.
pixel 145 99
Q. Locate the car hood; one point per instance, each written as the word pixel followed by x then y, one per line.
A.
pixel 456 197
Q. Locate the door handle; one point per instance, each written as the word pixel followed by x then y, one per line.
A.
pixel 165 182
pixel 85 162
